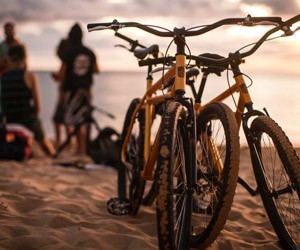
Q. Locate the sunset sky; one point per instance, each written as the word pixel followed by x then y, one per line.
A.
pixel 42 23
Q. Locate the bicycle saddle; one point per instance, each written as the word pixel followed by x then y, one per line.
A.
pixel 209 67
pixel 142 53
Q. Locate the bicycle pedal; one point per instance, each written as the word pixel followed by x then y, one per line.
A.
pixel 118 206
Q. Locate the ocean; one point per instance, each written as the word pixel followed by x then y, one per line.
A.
pixel 113 92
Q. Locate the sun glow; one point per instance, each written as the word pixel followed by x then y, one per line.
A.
pixel 30 28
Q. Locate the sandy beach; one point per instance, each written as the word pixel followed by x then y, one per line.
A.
pixel 46 206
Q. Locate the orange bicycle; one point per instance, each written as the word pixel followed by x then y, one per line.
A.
pixel 141 52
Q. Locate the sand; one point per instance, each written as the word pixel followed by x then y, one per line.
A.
pixel 46 206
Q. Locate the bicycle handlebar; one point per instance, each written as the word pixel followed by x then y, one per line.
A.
pixel 248 21
pixel 284 26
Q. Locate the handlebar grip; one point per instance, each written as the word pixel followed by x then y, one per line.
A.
pixel 93 25
pixel 115 25
pixel 273 19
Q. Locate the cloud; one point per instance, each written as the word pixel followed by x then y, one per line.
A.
pixel 278 7
pixel 89 10
pixel 44 10
pixel 49 10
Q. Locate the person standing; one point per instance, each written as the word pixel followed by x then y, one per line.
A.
pixel 9 41
pixel 58 120
pixel 20 98
pixel 79 65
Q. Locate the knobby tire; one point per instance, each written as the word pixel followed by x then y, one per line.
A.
pixel 173 202
pixel 217 173
pixel 278 178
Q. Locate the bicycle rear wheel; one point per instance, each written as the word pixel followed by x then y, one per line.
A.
pixel 129 182
pixel 217 172
pixel 173 202
pixel 278 178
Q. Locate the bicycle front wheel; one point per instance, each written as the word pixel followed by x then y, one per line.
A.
pixel 218 152
pixel 278 177
pixel 129 181
pixel 173 202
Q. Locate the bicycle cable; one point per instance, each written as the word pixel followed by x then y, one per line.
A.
pixel 199 26
pixel 163 69
pixel 229 87
pixel 165 55
pixel 231 93
pixel 251 44
pixel 166 52
pixel 251 81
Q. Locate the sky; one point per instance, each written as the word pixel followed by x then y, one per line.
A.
pixel 40 24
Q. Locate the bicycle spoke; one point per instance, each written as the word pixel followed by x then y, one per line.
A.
pixel 277 176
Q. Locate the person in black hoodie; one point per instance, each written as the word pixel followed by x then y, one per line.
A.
pixel 79 65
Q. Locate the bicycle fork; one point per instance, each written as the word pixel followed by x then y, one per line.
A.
pixel 251 140
pixel 190 188
pixel 255 152
pixel 191 125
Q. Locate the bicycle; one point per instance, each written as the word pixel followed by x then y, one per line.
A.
pixel 275 162
pixel 177 141
pixel 140 52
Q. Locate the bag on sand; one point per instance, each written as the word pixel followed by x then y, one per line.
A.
pixel 15 143
pixel 105 148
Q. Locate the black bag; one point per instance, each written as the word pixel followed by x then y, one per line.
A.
pixel 14 150
pixel 105 148
pixel 19 146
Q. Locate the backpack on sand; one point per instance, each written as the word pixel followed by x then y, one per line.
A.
pixel 105 148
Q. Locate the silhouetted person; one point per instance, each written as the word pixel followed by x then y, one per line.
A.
pixel 79 65
pixel 58 117
pixel 9 41
pixel 20 97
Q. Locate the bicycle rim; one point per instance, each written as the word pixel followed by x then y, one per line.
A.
pixel 217 172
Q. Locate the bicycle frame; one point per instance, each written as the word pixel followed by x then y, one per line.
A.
pixel 242 117
pixel 177 92
pixel 147 102
pixel 244 100
pixel 150 98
